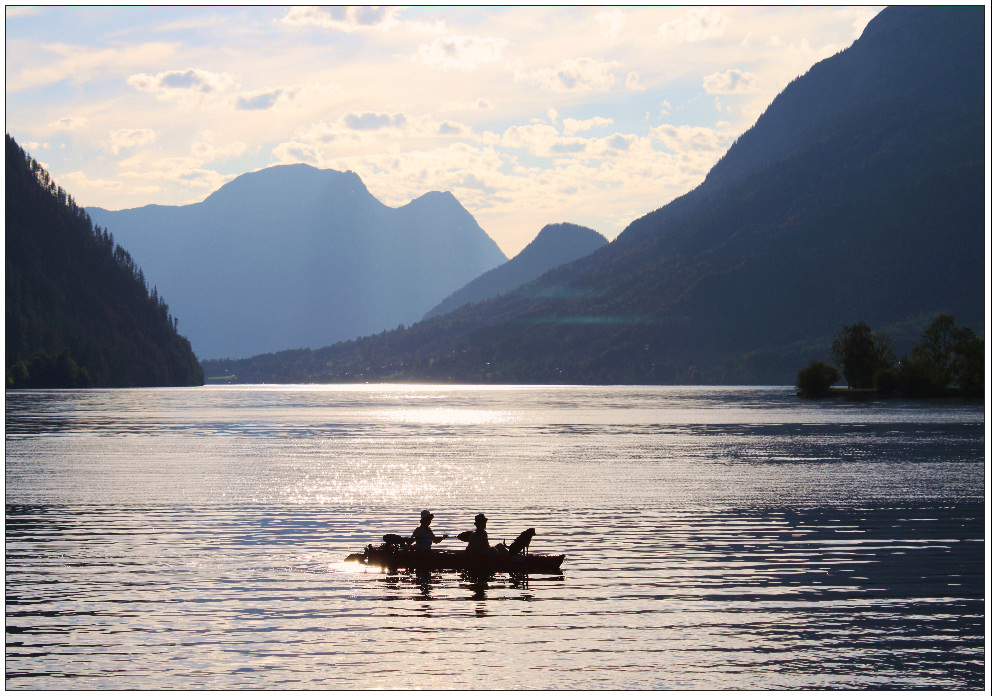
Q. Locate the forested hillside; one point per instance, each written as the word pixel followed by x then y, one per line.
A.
pixel 858 196
pixel 79 312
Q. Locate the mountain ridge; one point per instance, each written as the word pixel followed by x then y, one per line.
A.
pixel 293 255
pixel 555 245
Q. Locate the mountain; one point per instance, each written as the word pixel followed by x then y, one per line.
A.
pixel 858 195
pixel 79 312
pixel 554 245
pixel 294 256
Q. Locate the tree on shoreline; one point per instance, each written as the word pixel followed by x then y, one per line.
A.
pixel 947 356
pixel 947 360
pixel 862 354
pixel 816 379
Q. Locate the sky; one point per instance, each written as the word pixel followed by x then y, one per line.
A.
pixel 528 115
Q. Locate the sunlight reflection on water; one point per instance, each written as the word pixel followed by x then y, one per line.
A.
pixel 715 538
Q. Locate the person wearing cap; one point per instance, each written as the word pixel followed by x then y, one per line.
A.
pixel 479 541
pixel 423 536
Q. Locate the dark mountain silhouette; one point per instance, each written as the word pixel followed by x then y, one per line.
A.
pixel 79 312
pixel 296 256
pixel 858 196
pixel 553 246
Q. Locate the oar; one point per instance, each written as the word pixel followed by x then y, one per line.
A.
pixel 401 540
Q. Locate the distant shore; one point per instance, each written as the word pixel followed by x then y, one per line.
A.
pixel 849 394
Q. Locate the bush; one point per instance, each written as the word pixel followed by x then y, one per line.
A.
pixel 816 379
pixel 888 380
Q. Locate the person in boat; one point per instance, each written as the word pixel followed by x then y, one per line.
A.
pixel 479 541
pixel 423 536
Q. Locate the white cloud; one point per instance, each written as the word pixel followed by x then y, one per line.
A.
pixel 729 82
pixel 539 139
pixel 294 152
pixel 126 138
pixel 207 151
pixel 694 149
pixel 30 65
pixel 80 182
pixel 633 82
pixel 258 101
pixel 612 22
pixel 191 81
pixel 347 19
pixel 450 128
pixel 574 75
pixel 698 24
pixel 461 52
pixel 368 121
pixel 166 172
pixel 68 123
pixel 571 125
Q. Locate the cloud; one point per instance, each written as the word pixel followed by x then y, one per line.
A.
pixel 372 121
pixel 461 52
pixel 293 152
pixel 347 19
pixel 69 123
pixel 574 75
pixel 190 81
pixel 259 101
pixel 571 125
pixel 126 138
pixel 81 182
pixel 540 139
pixel 31 65
pixel 633 82
pixel 698 24
pixel 697 148
pixel 621 142
pixel 452 128
pixel 206 151
pixel 729 82
pixel 543 140
pixel 612 22
pixel 166 172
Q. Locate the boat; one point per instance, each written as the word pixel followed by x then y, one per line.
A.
pixel 395 554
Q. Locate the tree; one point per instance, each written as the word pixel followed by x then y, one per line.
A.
pixel 816 379
pixel 945 356
pixel 936 350
pixel 862 354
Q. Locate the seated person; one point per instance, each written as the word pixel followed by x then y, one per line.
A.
pixel 479 541
pixel 423 536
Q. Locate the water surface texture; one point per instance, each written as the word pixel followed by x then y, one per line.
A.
pixel 716 538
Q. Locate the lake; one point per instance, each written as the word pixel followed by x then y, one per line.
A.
pixel 716 538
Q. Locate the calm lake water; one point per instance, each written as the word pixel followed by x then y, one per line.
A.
pixel 716 538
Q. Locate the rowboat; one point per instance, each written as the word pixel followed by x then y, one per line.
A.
pixel 394 555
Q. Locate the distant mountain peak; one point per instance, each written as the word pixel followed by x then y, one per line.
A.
pixel 293 256
pixel 555 245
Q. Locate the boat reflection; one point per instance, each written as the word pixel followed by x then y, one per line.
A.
pixel 481 585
